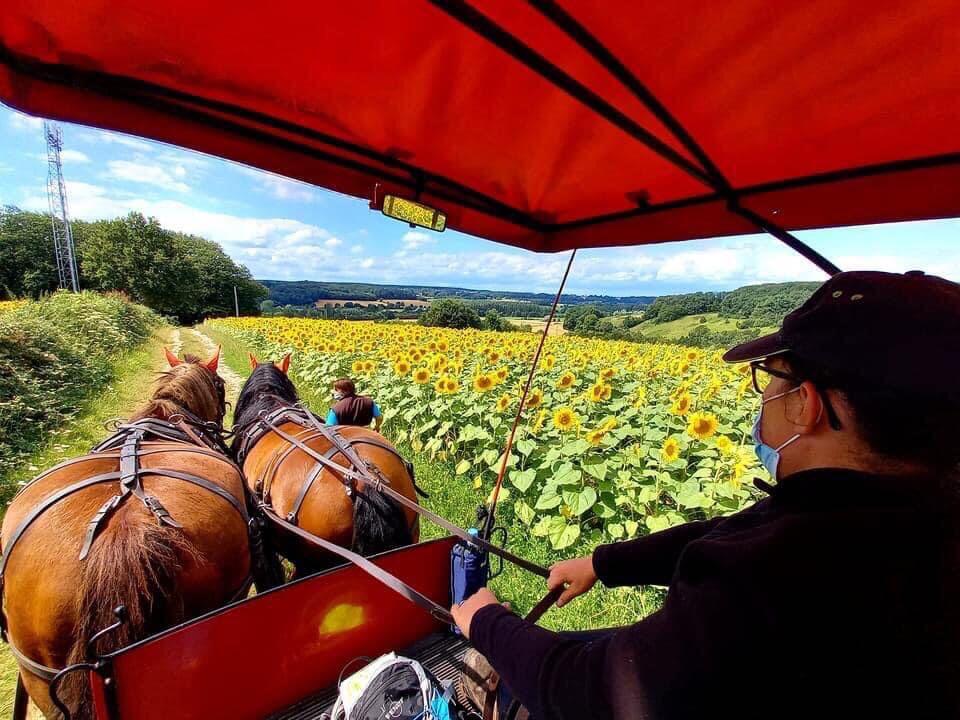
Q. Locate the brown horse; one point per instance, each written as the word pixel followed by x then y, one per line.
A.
pixel 168 539
pixel 300 489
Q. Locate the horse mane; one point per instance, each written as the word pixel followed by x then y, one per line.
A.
pixel 266 385
pixel 188 386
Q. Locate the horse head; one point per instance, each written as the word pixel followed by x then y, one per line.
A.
pixel 267 387
pixel 192 386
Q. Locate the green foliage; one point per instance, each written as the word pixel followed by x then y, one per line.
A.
pixel 178 275
pixel 670 307
pixel 493 321
pixel 582 319
pixel 703 337
pixel 510 308
pixel 450 314
pixel 766 304
pixel 27 266
pixel 53 354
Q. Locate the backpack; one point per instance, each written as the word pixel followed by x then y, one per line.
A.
pixel 392 687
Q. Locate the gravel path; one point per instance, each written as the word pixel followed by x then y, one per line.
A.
pixel 233 381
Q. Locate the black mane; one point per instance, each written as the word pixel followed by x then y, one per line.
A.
pixel 265 389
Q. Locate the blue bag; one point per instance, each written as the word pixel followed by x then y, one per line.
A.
pixel 469 571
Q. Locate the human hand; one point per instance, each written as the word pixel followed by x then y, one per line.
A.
pixel 576 575
pixel 463 612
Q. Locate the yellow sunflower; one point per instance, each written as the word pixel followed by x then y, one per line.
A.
pixel 598 392
pixel 483 383
pixel 564 419
pixel 724 444
pixel 447 385
pixel 549 361
pixel 702 425
pixel 504 402
pixel 357 366
pixel 608 373
pixel 534 399
pixel 594 437
pixel 538 423
pixel 670 450
pixel 566 380
pixel 681 405
pixel 421 376
pixel 401 367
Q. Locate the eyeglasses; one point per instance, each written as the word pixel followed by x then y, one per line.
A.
pixel 763 375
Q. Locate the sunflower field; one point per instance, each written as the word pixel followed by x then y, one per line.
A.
pixel 616 439
pixel 8 305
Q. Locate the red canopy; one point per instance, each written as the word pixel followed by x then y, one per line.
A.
pixel 535 124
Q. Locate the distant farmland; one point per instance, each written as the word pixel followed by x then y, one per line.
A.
pixel 339 302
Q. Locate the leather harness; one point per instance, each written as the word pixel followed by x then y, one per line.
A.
pixel 361 470
pixel 129 443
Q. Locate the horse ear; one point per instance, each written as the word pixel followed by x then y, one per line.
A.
pixel 253 361
pixel 284 364
pixel 213 362
pixel 172 359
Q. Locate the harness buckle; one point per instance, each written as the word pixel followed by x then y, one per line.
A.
pixel 163 517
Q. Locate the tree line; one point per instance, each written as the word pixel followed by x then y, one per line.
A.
pixel 182 276
pixel 756 305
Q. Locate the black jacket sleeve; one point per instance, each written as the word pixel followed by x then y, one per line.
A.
pixel 649 560
pixel 664 661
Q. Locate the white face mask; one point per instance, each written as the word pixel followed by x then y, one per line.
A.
pixel 338 396
pixel 770 456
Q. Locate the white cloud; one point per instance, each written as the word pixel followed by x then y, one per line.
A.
pixel 184 158
pixel 112 138
pixel 147 174
pixel 280 187
pixel 367 263
pixel 73 156
pixel 270 247
pixel 356 249
pixel 333 242
pixel 414 240
pixel 20 121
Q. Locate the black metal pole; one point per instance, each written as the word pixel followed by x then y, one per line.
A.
pixel 785 237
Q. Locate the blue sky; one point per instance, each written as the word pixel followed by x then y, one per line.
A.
pixel 282 229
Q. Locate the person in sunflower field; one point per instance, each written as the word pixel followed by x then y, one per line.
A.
pixel 352 409
pixel 837 594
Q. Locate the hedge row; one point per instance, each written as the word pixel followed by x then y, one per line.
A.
pixel 54 354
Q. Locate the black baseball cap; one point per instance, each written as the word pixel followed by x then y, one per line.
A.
pixel 873 329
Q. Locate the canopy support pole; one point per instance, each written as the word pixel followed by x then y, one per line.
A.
pixel 785 237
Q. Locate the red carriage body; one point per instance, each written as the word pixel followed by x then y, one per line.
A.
pixel 261 656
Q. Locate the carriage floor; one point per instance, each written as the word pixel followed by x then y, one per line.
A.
pixel 441 653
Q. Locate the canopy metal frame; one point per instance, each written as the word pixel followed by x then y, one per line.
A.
pixel 705 170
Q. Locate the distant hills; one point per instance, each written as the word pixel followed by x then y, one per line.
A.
pixel 308 292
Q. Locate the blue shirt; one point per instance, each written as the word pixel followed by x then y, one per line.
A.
pixel 332 416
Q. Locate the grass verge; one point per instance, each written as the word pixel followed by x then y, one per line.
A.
pixel 132 377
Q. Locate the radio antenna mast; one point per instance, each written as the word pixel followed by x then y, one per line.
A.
pixel 59 218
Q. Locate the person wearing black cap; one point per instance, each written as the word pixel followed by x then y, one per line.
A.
pixel 838 595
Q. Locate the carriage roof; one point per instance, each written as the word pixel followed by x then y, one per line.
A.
pixel 541 125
